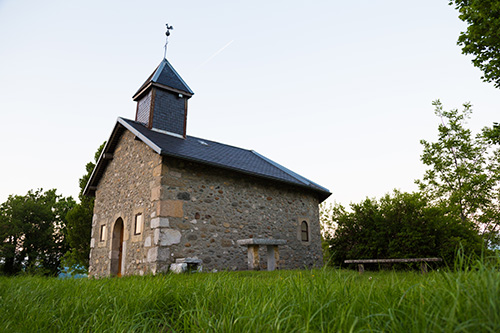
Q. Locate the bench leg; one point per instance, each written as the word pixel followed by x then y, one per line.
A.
pixel 273 257
pixel 423 267
pixel 361 268
pixel 253 257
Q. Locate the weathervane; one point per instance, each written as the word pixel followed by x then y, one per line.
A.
pixel 169 27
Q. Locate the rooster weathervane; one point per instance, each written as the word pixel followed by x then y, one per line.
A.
pixel 169 27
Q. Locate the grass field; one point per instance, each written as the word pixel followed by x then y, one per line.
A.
pixel 327 300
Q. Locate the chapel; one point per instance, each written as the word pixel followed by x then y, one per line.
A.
pixel 163 197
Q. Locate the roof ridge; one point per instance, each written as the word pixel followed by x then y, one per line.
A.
pixel 158 71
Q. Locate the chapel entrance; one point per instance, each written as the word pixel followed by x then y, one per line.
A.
pixel 117 249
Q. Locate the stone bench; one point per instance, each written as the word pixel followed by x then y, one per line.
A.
pixel 361 267
pixel 186 265
pixel 253 251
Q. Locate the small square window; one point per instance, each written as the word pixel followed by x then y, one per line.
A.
pixel 102 236
pixel 138 224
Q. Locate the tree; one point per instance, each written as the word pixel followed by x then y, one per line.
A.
pixel 481 39
pixel 401 225
pixel 464 174
pixel 492 134
pixel 80 221
pixel 32 231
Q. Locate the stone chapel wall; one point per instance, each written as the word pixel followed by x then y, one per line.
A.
pixel 194 210
pixel 213 208
pixel 123 192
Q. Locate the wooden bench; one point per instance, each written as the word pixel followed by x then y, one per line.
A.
pixel 253 252
pixel 423 262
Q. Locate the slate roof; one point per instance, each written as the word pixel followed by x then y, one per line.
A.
pixel 166 76
pixel 205 152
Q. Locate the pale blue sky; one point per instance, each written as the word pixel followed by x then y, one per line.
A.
pixel 337 91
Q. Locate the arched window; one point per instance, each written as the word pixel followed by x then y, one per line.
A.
pixel 304 231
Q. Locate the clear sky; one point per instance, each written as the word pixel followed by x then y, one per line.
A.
pixel 337 91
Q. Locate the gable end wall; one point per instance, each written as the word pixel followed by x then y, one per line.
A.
pixel 125 190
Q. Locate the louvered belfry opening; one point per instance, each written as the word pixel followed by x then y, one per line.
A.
pixel 162 101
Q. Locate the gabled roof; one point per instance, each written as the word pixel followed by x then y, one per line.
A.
pixel 165 76
pixel 202 151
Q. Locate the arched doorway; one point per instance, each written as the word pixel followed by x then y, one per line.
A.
pixel 117 249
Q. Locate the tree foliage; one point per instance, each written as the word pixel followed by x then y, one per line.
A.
pixel 464 173
pixel 457 206
pixel 401 225
pixel 80 220
pixel 492 134
pixel 481 39
pixel 32 231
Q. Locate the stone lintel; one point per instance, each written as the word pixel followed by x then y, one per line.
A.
pixel 186 264
pixel 261 241
pixel 188 261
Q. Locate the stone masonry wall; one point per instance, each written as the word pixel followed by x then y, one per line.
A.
pixel 197 211
pixel 209 209
pixel 124 191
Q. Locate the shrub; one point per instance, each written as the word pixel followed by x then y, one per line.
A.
pixel 401 225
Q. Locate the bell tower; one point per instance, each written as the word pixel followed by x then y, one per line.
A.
pixel 162 101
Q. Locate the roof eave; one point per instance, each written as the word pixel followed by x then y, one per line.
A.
pixel 138 95
pixel 292 174
pixel 322 194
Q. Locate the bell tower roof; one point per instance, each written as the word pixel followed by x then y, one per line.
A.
pixel 165 77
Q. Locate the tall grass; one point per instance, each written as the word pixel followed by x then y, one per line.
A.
pixel 464 299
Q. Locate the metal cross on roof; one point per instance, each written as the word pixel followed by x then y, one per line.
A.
pixel 169 27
